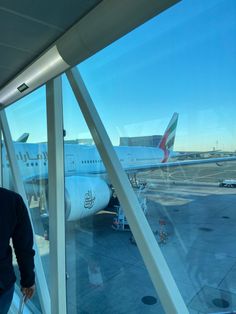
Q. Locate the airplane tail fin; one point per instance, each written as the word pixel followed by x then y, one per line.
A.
pixel 23 138
pixel 168 139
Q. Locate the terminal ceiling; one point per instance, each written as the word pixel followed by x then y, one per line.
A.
pixel 35 34
pixel 29 27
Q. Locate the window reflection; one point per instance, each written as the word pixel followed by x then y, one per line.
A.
pixel 31 155
pixel 181 61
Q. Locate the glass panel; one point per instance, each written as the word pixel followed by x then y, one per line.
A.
pixel 103 265
pixel 27 123
pixel 181 61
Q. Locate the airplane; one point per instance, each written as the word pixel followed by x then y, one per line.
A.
pixel 87 187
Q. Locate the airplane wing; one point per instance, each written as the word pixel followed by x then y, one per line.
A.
pixel 180 163
pixel 37 179
pixel 181 155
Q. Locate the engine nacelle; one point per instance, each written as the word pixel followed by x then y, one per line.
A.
pixel 85 196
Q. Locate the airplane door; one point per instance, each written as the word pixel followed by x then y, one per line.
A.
pixel 70 164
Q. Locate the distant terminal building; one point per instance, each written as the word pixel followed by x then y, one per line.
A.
pixel 150 141
pixel 81 141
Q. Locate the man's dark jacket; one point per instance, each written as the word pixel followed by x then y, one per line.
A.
pixel 15 224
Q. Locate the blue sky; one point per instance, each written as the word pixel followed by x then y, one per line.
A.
pixel 181 61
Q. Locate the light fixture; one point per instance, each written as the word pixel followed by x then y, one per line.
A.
pixel 22 87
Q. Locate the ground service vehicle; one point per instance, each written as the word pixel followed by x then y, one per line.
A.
pixel 228 183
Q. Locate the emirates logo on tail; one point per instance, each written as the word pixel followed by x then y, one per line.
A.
pixel 168 139
pixel 163 146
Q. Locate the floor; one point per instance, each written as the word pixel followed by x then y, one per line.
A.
pixel 106 274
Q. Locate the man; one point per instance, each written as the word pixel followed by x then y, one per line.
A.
pixel 15 225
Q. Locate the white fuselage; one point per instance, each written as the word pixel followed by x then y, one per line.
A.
pixel 87 188
pixel 80 159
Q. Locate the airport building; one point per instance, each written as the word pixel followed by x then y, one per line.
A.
pixel 81 141
pixel 149 141
pixel 122 228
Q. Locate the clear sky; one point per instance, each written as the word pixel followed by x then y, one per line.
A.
pixel 183 60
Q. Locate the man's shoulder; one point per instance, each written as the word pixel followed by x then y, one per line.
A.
pixel 8 193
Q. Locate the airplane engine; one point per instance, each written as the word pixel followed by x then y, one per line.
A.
pixel 85 196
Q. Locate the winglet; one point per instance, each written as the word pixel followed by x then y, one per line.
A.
pixel 168 139
pixel 23 138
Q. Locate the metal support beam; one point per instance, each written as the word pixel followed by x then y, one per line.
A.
pixel 41 283
pixel 156 265
pixel 56 202
pixel 1 169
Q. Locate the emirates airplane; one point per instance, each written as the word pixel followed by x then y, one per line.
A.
pixel 87 188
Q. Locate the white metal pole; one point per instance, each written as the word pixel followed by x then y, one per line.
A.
pixel 41 284
pixel 1 143
pixel 56 202
pixel 156 265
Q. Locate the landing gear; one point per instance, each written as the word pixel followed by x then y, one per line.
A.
pixel 136 183
pixel 120 222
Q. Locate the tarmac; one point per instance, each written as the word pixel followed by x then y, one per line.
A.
pixel 106 273
pixel 193 220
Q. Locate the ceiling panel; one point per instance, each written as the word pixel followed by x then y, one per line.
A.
pixel 25 34
pixel 11 61
pixel 10 58
pixel 29 27
pixel 4 73
pixel 61 14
